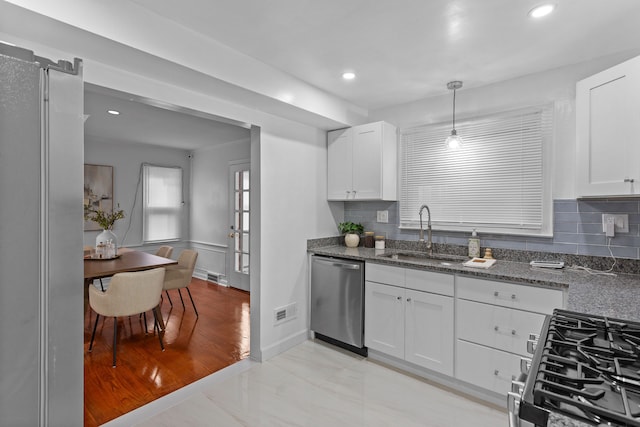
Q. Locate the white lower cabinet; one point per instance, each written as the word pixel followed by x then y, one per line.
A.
pixel 497 327
pixel 410 315
pixel 384 318
pixel 428 333
pixel 410 324
pixel 486 367
pixel 493 322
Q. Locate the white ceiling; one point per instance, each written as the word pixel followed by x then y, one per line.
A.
pixel 141 122
pixel 404 50
pixel 401 50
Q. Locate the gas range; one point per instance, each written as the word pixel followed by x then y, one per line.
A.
pixel 586 368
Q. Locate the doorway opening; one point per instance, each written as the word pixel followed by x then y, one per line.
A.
pixel 110 142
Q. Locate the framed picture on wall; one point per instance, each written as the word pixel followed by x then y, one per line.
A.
pixel 98 191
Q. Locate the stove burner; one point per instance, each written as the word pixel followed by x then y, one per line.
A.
pixel 589 369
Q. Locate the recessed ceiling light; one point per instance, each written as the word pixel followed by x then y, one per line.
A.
pixel 542 10
pixel 114 112
pixel 349 75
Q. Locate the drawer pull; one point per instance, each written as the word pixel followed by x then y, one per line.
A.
pixel 496 372
pixel 497 294
pixel 517 386
pixel 398 298
pixel 629 180
pixel 513 332
pixel 495 328
pixel 408 299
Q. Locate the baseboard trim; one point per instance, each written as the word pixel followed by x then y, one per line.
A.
pixel 284 345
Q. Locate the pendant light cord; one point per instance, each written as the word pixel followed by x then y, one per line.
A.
pixel 454 109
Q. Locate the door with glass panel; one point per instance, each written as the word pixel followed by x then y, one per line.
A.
pixel 238 248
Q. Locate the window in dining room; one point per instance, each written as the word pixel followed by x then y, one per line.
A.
pixel 162 203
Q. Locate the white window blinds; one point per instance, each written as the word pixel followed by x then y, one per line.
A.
pixel 162 207
pixel 498 182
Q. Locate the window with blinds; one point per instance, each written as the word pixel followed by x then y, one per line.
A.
pixel 162 206
pixel 498 182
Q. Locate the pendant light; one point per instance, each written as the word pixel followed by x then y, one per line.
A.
pixel 454 142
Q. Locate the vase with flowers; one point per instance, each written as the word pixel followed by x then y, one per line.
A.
pixel 105 220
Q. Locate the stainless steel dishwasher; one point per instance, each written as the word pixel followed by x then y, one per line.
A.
pixel 337 302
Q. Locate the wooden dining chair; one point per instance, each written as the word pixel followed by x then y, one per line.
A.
pixel 179 276
pixel 128 294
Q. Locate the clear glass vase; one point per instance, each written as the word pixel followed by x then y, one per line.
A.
pixel 105 237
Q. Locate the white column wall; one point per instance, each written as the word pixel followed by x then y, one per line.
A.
pixel 294 208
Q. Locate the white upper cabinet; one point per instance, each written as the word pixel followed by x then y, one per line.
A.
pixel 608 132
pixel 362 162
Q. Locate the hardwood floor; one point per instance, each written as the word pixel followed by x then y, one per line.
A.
pixel 195 348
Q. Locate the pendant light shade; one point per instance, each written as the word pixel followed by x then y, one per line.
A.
pixel 454 142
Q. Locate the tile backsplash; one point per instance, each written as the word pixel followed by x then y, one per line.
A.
pixel 577 228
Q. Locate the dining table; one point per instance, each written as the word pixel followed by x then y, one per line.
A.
pixel 126 260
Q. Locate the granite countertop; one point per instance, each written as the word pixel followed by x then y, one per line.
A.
pixel 613 296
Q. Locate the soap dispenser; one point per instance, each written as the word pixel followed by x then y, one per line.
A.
pixel 474 245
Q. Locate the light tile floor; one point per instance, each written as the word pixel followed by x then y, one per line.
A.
pixel 313 384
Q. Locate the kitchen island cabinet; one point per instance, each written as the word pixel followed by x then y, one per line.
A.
pixel 361 162
pixel 607 128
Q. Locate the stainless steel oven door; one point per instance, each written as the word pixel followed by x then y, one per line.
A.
pixel 514 397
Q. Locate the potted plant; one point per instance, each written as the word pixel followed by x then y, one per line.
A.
pixel 105 220
pixel 351 231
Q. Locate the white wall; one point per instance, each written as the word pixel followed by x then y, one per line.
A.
pixel 556 86
pixel 210 202
pixel 126 159
pixel 294 209
pixel 292 155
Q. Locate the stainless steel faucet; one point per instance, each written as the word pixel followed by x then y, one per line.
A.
pixel 421 239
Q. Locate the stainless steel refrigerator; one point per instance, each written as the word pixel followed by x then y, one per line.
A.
pixel 41 220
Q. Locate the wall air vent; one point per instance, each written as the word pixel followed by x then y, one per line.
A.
pixel 283 314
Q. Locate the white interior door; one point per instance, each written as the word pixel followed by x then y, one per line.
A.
pixel 238 249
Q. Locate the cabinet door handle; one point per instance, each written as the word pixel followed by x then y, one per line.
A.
pixel 398 298
pixel 628 180
pixel 495 328
pixel 496 372
pixel 408 299
pixel 513 296
pixel 513 332
pixel 495 293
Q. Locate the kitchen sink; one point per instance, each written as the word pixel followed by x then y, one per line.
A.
pixel 421 257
